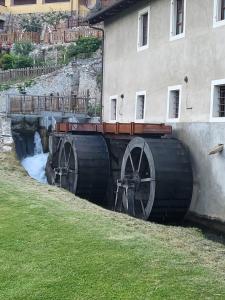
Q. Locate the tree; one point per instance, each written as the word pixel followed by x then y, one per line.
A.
pixel 31 23
pixel 53 18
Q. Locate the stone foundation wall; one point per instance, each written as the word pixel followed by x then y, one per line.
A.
pixel 6 141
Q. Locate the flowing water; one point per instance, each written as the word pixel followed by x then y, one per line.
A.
pixel 35 165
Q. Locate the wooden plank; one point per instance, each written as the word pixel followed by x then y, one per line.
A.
pixel 118 128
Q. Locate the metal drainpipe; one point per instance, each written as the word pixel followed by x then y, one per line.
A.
pixel 103 42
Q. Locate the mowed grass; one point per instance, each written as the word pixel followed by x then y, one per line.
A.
pixel 56 246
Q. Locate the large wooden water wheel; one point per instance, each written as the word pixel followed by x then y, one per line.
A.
pixel 156 180
pixel 84 166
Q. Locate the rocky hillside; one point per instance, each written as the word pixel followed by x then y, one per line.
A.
pixel 80 75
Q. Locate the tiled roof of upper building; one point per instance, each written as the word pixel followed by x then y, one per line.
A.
pixel 108 8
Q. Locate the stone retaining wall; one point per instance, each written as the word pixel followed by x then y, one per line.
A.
pixel 6 141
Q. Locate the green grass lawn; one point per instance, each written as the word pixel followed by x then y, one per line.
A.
pixel 56 246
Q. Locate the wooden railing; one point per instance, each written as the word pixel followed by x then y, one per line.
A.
pixel 10 38
pixel 15 74
pixel 70 35
pixel 35 105
pixel 55 37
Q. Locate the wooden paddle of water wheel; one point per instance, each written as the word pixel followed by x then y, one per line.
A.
pixel 131 168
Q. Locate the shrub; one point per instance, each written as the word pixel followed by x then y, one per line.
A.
pixel 10 61
pixel 84 47
pixel 23 48
pixel 22 62
pixel 7 61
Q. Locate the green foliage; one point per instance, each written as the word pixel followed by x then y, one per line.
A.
pixel 22 62
pixel 7 61
pixel 84 47
pixel 31 24
pixel 53 18
pixel 94 110
pixel 23 48
pixel 12 61
pixel 4 87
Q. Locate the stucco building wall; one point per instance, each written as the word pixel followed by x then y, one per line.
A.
pixel 199 56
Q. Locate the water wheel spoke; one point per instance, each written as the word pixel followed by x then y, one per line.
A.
pixel 68 159
pixel 142 207
pixel 147 180
pixel 140 159
pixel 64 154
pixel 125 200
pixel 131 160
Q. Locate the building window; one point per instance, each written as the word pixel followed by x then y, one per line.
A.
pixel 113 108
pixel 174 103
pixel 55 1
pixel 140 106
pixel 2 24
pixel 222 9
pixel 24 2
pixel 143 29
pixel 218 101
pixel 177 19
pixel 219 13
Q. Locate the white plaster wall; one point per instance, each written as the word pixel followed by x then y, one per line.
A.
pixel 209 188
pixel 199 55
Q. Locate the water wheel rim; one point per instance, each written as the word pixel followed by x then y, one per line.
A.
pixel 142 145
pixel 68 164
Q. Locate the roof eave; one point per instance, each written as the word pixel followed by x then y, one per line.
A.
pixel 110 11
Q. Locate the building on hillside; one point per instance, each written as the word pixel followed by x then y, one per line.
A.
pixel 164 63
pixel 43 6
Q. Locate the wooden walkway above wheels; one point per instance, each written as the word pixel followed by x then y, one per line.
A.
pixel 116 128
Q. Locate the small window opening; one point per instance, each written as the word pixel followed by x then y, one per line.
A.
pixel 222 9
pixel 174 104
pixel 221 102
pixel 113 109
pixel 143 29
pixel 2 24
pixel 177 17
pixel 140 110
pixel 219 12
pixel 24 2
pixel 180 17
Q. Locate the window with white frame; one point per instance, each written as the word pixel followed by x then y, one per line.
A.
pixel 140 106
pixel 177 19
pixel 143 28
pixel 218 100
pixel 219 13
pixel 113 110
pixel 174 103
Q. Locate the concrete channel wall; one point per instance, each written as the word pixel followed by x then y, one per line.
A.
pixel 209 188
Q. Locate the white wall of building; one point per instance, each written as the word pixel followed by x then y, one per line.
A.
pixel 199 56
